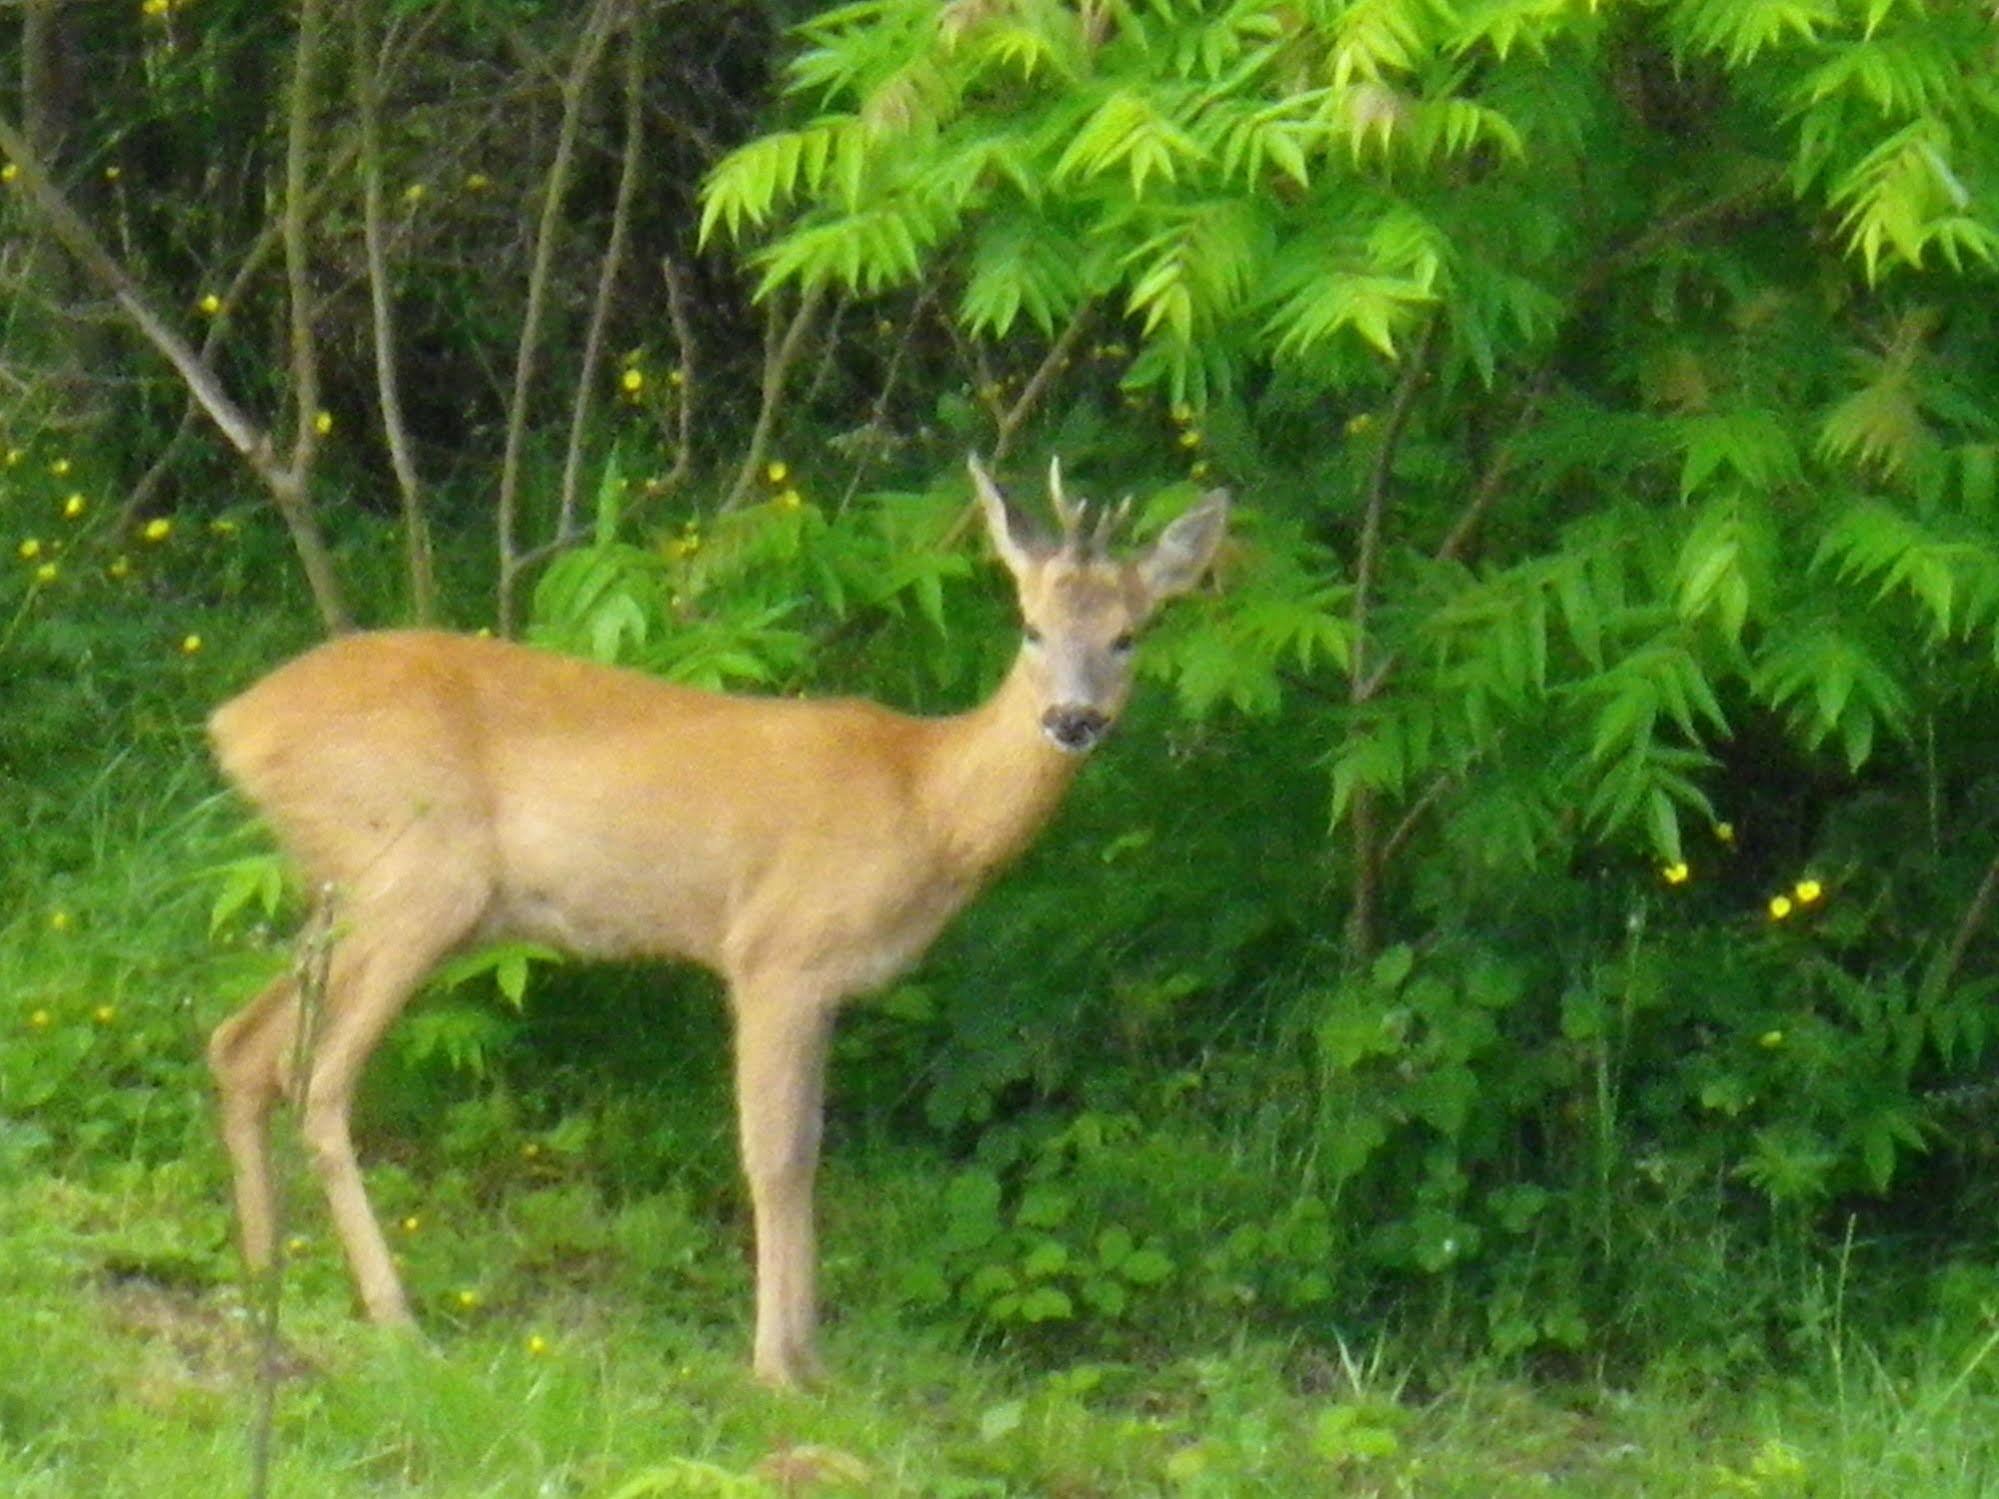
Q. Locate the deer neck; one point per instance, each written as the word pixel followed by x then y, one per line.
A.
pixel 991 780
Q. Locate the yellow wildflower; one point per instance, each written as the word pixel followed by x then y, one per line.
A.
pixel 412 1223
pixel 633 381
pixel 1199 469
pixel 120 568
pixel 468 1300
pixel 1191 438
pixel 297 1244
pixel 1359 424
pixel 41 1020
pixel 190 645
pixel 210 304
pixel 9 172
pixel 159 528
pixel 113 173
pixel 59 920
pixel 47 573
pixel 478 182
pixel 60 467
pixel 29 549
pixel 1780 907
pixel 222 526
pixel 537 1345
pixel 1724 832
pixel 14 457
pixel 322 422
pixel 74 506
pixel 1676 873
pixel 791 499
pixel 414 193
pixel 776 472
pixel 153 9
pixel 677 378
pixel 1807 891
pixel 104 1014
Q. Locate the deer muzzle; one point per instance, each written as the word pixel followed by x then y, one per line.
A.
pixel 1074 730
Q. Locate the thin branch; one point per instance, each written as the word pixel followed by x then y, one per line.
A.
pixel 1975 916
pixel 298 282
pixel 589 50
pixel 395 431
pixel 240 429
pixel 878 413
pixel 607 280
pixel 1367 556
pixel 268 240
pixel 780 353
pixel 1363 812
pixel 1057 359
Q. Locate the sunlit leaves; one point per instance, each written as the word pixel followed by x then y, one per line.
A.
pixel 1132 133
pixel 1726 562
pixel 1905 197
pixel 1021 264
pixel 1752 445
pixel 1829 681
pixel 764 176
pixel 1741 29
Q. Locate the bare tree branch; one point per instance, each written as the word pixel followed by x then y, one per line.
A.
pixel 589 50
pixel 242 431
pixel 780 354
pixel 395 431
pixel 607 280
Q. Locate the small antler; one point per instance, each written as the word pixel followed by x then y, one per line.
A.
pixel 1109 520
pixel 1070 516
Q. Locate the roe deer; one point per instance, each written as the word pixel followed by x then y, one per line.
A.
pixel 454 791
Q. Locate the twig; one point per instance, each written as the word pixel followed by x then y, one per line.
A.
pixel 780 353
pixel 878 412
pixel 237 425
pixel 1362 815
pixel 589 50
pixel 1975 915
pixel 395 431
pixel 311 967
pixel 1052 365
pixel 298 283
pixel 607 280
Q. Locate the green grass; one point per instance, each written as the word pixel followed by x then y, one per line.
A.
pixel 577 1251
pixel 118 1379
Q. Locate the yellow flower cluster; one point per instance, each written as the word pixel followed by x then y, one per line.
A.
pixel 1807 892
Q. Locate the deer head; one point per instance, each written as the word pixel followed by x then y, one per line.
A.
pixel 1081 610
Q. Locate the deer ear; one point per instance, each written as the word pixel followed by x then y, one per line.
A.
pixel 1186 547
pixel 1016 538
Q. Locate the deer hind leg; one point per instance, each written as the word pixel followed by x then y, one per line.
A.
pixel 781 1042
pixel 247 1055
pixel 388 947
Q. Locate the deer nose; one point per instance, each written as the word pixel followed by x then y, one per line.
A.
pixel 1074 729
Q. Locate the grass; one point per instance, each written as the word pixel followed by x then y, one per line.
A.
pixel 115 1380
pixel 586 1327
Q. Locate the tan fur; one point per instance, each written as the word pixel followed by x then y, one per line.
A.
pixel 455 791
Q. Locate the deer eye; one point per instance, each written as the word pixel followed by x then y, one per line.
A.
pixel 1123 644
pixel 1030 634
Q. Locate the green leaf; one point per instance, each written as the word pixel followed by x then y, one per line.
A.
pixel 1145 1267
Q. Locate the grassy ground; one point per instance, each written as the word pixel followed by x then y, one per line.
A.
pixel 118 1380
pixel 588 1338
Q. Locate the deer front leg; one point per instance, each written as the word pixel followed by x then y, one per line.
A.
pixel 781 1038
